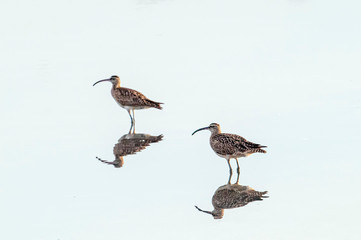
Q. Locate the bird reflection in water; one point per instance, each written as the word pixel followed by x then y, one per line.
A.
pixel 130 144
pixel 232 196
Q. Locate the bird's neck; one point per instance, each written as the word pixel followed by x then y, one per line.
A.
pixel 215 132
pixel 116 85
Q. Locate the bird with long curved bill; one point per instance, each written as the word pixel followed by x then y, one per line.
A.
pixel 230 146
pixel 129 99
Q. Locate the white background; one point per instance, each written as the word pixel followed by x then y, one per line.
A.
pixel 285 74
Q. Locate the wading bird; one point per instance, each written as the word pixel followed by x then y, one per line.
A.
pixel 129 99
pixel 230 146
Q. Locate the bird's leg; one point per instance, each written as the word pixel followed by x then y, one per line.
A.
pixel 133 116
pixel 229 165
pixel 133 130
pixel 238 171
pixel 230 177
pixel 131 121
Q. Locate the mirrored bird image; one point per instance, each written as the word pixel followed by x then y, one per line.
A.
pixel 129 99
pixel 229 146
pixel 232 196
pixel 130 144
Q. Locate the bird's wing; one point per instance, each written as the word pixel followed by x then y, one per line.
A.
pixel 130 97
pixel 245 142
pixel 227 144
pixel 129 146
pixel 253 195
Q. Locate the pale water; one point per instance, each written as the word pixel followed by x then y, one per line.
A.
pixel 284 74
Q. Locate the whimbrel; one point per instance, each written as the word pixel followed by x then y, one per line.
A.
pixel 230 146
pixel 129 99
pixel 130 144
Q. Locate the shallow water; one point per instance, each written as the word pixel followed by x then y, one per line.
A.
pixel 284 74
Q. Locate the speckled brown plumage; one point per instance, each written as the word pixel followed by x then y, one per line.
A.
pixel 127 97
pixel 133 143
pixel 232 196
pixel 130 144
pixel 229 146
pixel 235 195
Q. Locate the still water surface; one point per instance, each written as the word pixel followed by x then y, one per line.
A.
pixel 282 74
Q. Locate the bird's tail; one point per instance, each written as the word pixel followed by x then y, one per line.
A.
pixel 258 195
pixel 259 150
pixel 155 104
pixel 263 193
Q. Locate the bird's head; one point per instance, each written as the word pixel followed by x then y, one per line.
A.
pixel 213 127
pixel 115 80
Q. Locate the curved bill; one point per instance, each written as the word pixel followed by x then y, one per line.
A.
pixel 204 211
pixel 200 130
pixel 101 81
